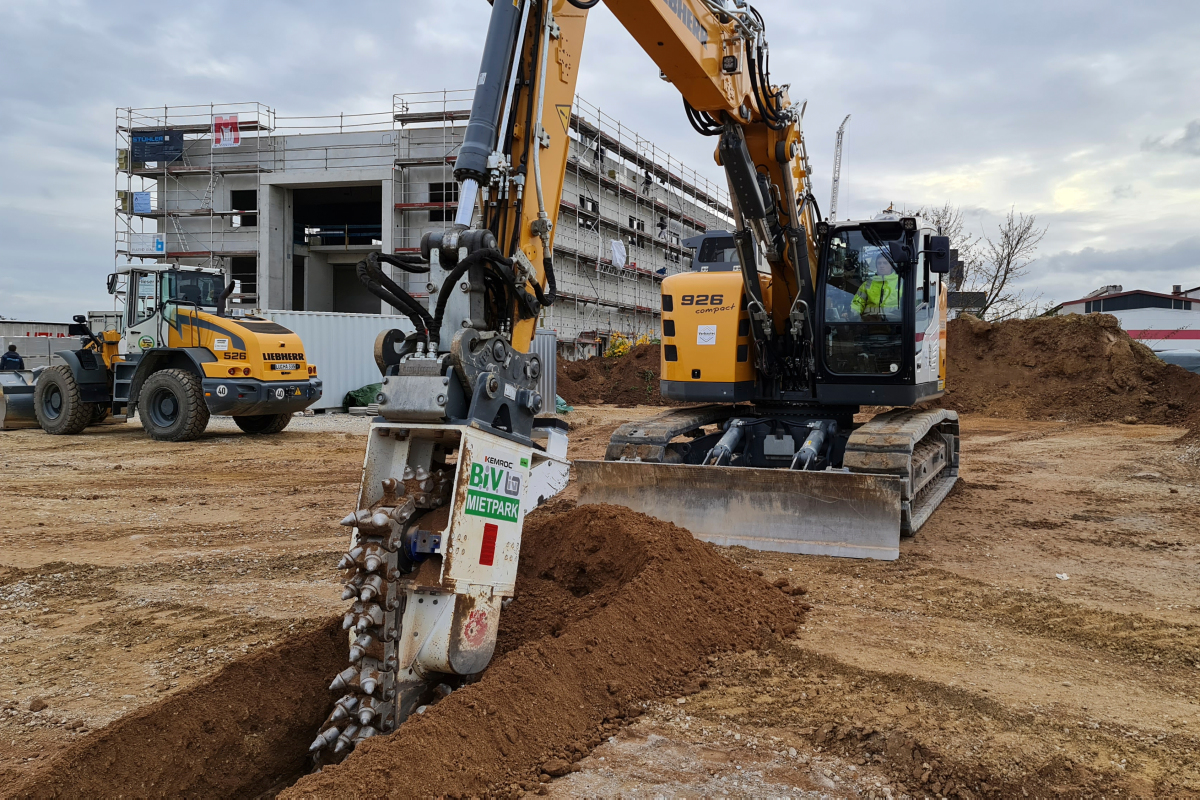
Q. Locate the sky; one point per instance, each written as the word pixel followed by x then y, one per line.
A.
pixel 1085 113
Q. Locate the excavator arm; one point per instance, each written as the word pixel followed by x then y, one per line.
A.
pixel 457 453
pixel 514 157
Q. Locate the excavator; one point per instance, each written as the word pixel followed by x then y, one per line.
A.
pixel 780 356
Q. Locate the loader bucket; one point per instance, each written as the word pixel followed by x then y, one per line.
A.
pixel 816 513
pixel 16 401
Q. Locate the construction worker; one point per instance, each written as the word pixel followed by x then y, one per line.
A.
pixel 878 298
pixel 11 361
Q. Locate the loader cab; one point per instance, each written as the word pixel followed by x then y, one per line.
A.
pixel 880 312
pixel 155 293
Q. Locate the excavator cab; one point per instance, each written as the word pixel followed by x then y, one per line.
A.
pixel 880 312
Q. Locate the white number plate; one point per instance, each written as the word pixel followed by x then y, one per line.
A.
pixel 285 367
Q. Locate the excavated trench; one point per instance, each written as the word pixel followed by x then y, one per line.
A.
pixel 613 608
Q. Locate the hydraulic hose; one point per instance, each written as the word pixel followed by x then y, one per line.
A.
pixel 383 287
pixel 486 256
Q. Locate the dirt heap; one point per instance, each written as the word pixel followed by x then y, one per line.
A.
pixel 1073 367
pixel 628 380
pixel 613 608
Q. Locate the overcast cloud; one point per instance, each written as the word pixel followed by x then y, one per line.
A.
pixel 1084 113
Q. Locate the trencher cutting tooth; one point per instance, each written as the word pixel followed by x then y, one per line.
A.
pixel 346 738
pixel 324 739
pixel 368 709
pixel 343 708
pixel 343 678
pixel 369 679
pixel 372 586
pixel 365 732
pixel 360 647
pixel 408 473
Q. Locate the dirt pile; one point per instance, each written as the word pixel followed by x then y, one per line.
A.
pixel 239 734
pixel 631 379
pixel 1074 367
pixel 613 608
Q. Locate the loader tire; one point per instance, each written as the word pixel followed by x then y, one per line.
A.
pixel 263 423
pixel 57 402
pixel 171 405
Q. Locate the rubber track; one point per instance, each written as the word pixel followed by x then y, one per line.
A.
pixel 885 445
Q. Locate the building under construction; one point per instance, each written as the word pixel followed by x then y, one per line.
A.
pixel 287 206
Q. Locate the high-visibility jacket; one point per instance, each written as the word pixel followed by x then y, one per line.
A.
pixel 877 295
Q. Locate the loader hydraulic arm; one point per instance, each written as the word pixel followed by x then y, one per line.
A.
pixel 716 55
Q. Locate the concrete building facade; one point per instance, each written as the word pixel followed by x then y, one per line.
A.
pixel 287 206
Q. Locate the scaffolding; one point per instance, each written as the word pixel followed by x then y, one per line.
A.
pixel 626 203
pixel 620 187
pixel 211 142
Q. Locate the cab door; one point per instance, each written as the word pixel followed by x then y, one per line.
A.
pixel 143 313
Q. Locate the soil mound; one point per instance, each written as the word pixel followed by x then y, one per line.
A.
pixel 238 734
pixel 631 379
pixel 1074 367
pixel 613 608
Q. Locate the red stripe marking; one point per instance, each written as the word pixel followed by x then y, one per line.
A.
pixel 1165 334
pixel 487 555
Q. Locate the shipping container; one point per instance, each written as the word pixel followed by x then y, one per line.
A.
pixel 15 327
pixel 38 350
pixel 341 346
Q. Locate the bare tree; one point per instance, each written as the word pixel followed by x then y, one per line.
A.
pixel 1004 260
pixel 992 265
pixel 948 220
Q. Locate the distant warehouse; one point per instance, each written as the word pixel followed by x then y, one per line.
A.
pixel 1160 321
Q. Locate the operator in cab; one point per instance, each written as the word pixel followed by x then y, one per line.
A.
pixel 878 298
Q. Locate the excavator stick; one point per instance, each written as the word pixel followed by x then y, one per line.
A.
pixel 817 513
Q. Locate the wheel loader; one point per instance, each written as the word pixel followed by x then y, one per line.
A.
pixel 780 356
pixel 178 360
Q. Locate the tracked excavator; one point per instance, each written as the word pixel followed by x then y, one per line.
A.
pixel 817 320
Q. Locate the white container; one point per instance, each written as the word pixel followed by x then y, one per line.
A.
pixel 37 351
pixel 10 327
pixel 341 346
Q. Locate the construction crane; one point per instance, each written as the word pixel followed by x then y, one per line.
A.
pixel 784 356
pixel 837 169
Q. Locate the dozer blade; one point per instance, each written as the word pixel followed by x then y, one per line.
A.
pixel 816 513
pixel 16 401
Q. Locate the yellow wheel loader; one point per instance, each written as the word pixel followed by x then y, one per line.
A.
pixel 178 360
pixel 817 320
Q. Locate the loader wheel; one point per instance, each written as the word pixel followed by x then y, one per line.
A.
pixel 172 407
pixel 57 403
pixel 263 423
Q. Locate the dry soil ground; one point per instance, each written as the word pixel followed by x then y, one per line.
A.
pixel 1039 635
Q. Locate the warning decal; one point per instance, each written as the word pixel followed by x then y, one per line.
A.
pixel 564 116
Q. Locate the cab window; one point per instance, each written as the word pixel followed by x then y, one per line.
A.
pixel 192 288
pixel 144 301
pixel 864 302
